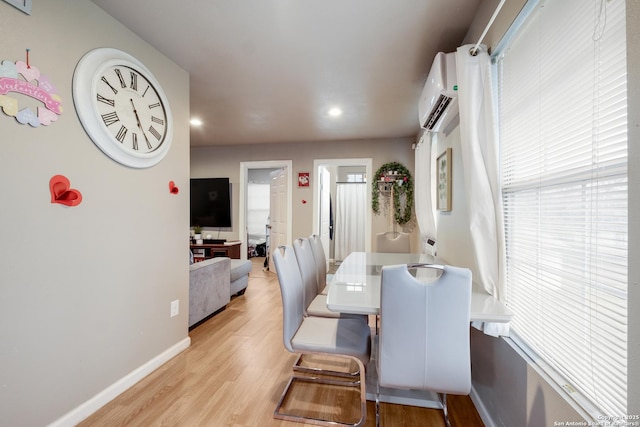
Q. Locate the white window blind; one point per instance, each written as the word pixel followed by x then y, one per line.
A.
pixel 563 137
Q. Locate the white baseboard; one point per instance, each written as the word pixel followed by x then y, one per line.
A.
pixel 87 408
pixel 482 410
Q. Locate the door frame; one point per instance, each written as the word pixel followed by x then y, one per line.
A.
pixel 368 164
pixel 242 205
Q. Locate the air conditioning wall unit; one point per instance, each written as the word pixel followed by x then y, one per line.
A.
pixel 438 104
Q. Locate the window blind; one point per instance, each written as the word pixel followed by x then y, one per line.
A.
pixel 563 141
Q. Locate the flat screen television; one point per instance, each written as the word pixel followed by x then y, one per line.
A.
pixel 210 202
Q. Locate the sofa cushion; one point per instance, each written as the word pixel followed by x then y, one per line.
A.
pixel 239 268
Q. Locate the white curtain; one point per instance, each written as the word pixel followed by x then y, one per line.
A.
pixel 480 157
pixel 349 219
pixel 424 160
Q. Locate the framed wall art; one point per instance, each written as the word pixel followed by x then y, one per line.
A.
pixel 304 179
pixel 444 181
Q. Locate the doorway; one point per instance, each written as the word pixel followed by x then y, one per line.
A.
pixel 329 176
pixel 258 211
pixel 284 202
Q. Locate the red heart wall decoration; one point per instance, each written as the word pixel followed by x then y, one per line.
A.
pixel 172 188
pixel 61 191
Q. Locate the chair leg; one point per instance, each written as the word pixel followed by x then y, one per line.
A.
pixel 319 371
pixel 443 400
pixel 377 402
pixel 361 383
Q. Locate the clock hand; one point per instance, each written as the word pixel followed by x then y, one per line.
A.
pixel 135 112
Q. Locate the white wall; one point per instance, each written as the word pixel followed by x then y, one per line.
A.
pixel 454 238
pixel 85 291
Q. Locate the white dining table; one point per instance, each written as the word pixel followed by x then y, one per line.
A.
pixel 355 288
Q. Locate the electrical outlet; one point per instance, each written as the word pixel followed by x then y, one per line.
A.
pixel 175 308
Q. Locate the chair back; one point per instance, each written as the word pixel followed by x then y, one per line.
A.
pixel 424 331
pixel 307 265
pixel 291 291
pixel 393 242
pixel 321 261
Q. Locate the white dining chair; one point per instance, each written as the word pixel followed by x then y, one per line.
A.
pixel 322 275
pixel 393 242
pixel 424 331
pixel 315 304
pixel 348 337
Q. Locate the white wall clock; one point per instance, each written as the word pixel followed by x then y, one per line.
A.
pixel 122 107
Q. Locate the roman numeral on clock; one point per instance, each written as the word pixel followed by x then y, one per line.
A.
pixel 155 133
pixel 110 118
pixel 156 105
pixel 104 80
pixel 121 133
pixel 157 120
pixel 134 140
pixel 134 81
pixel 119 74
pixel 107 101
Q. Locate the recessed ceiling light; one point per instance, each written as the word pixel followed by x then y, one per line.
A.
pixel 196 122
pixel 335 112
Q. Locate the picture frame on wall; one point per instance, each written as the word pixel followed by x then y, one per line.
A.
pixel 304 179
pixel 444 181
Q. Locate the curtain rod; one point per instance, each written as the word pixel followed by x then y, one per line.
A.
pixel 474 50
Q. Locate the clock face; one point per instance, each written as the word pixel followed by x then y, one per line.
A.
pixel 131 109
pixel 122 107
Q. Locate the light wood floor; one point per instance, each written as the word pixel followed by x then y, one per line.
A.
pixel 235 370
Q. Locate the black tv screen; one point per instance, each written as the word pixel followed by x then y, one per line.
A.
pixel 210 202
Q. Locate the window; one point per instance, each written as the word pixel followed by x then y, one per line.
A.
pixel 563 140
pixel 356 177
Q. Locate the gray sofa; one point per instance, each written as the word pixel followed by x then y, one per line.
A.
pixel 208 288
pixel 212 283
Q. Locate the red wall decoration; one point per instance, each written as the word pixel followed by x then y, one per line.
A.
pixel 62 193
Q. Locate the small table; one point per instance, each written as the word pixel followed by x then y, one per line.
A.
pixel 229 249
pixel 355 288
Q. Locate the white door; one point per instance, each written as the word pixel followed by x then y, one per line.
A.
pixel 325 211
pixel 277 213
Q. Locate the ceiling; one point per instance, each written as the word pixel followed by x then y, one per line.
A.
pixel 268 71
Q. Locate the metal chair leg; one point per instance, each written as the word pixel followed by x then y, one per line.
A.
pixel 443 401
pixel 297 366
pixel 361 383
pixel 377 403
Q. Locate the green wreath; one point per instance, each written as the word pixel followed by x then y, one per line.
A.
pixel 400 187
